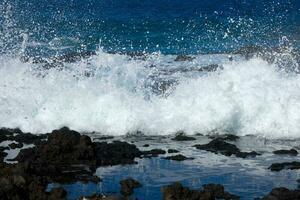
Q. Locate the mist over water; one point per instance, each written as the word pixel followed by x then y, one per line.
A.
pixel 115 93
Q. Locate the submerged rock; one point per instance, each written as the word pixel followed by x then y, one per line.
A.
pixel 178 157
pixel 154 152
pixel 182 137
pixel 107 137
pixel 128 185
pixel 102 197
pixel 282 194
pixel 184 58
pixel 226 137
pixel 224 148
pixel 284 165
pixel 211 191
pixel 291 152
pixel 172 151
pixel 15 145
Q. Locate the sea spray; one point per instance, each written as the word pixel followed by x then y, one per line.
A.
pixel 245 97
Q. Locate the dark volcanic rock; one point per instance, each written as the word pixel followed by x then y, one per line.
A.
pixel 128 185
pixel 17 182
pixel 67 154
pixel 73 56
pixel 291 152
pixel 15 145
pixel 2 153
pixel 172 151
pixel 210 68
pixel 284 165
pixel 116 153
pixel 104 138
pixel 146 145
pixel 178 157
pixel 184 58
pixel 219 146
pixel 210 192
pixel 282 194
pixel 224 148
pixel 182 137
pixel 228 137
pixel 153 152
pixel 217 191
pixel 102 197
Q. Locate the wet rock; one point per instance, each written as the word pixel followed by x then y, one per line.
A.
pixel 178 157
pixel 73 56
pixel 102 197
pixel 57 193
pixel 211 191
pixel 153 152
pixel 184 58
pixel 128 185
pixel 291 152
pixel 68 156
pixel 210 68
pixel 225 137
pixel 17 182
pixel 146 145
pixel 180 136
pixel 104 138
pixel 6 133
pixel 247 154
pixel 282 194
pixel 2 154
pixel 15 145
pixel 224 148
pixel 116 153
pixel 172 151
pixel 284 165
pixel 219 146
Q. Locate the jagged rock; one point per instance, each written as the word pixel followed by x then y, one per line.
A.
pixel 116 153
pixel 180 136
pixel 128 185
pixel 17 183
pixel 284 165
pixel 224 148
pixel 102 197
pixel 178 157
pixel 68 156
pixel 104 138
pixel 210 192
pixel 282 194
pixel 153 152
pixel 291 152
pixel 15 145
pixel 184 58
pixel 172 151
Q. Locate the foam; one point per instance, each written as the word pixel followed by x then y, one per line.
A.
pixel 246 97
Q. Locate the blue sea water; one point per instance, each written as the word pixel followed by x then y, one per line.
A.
pixel 168 26
pixel 116 94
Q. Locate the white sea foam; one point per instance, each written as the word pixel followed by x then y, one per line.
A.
pixel 246 97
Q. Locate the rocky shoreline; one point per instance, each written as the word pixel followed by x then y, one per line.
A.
pixel 66 156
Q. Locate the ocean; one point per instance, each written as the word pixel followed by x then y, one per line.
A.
pixel 111 67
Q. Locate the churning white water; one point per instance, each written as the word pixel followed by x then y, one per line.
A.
pixel 113 94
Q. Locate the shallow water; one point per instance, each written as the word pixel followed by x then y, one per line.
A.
pixel 248 178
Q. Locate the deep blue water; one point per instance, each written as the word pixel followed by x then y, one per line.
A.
pixel 168 26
